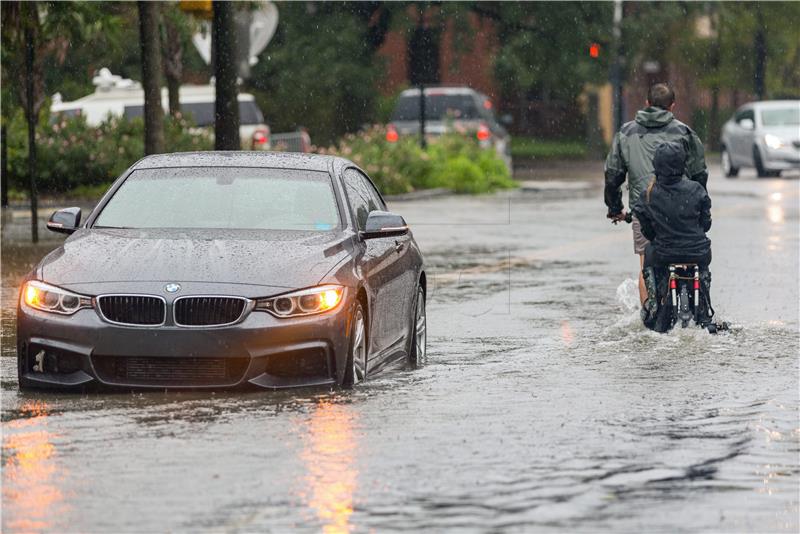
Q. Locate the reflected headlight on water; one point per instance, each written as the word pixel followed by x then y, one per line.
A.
pixel 47 298
pixel 304 302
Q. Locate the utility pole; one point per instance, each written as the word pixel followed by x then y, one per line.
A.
pixel 422 141
pixel 29 107
pixel 616 67
pixel 226 107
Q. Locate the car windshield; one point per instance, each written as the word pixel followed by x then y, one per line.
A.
pixel 437 107
pixel 240 198
pixel 781 117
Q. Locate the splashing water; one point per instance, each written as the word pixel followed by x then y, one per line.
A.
pixel 628 295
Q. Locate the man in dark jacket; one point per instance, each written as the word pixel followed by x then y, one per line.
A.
pixel 632 153
pixel 675 215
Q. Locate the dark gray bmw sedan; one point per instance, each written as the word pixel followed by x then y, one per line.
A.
pixel 223 269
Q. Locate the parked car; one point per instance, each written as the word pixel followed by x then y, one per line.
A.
pixel 447 110
pixel 762 135
pixel 225 269
pixel 118 97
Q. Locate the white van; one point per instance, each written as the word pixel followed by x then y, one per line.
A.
pixel 122 97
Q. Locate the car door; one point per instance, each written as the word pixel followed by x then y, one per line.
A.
pixel 743 137
pixel 382 265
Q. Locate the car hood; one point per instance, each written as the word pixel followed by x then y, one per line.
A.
pixel 789 133
pixel 95 261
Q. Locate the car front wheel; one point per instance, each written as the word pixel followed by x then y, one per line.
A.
pixel 727 165
pixel 356 370
pixel 419 334
pixel 759 164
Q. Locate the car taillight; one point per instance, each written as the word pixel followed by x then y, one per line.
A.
pixel 483 133
pixel 260 138
pixel 391 134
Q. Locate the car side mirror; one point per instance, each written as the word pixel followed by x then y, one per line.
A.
pixel 384 224
pixel 507 119
pixel 747 124
pixel 65 221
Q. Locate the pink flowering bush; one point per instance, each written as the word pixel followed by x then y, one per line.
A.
pixel 72 155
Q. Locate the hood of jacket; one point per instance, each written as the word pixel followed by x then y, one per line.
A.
pixel 669 162
pixel 653 117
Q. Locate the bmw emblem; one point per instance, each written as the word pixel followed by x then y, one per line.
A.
pixel 172 288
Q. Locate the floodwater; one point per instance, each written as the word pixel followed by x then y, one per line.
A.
pixel 544 404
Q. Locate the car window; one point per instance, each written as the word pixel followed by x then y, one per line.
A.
pixel 202 113
pixel 362 196
pixel 745 114
pixel 781 116
pixel 216 197
pixel 437 107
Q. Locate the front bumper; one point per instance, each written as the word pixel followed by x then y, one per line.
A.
pixel 782 159
pixel 263 351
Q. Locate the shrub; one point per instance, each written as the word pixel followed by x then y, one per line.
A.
pixel 452 161
pixel 73 156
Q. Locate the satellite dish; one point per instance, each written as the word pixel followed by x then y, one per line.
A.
pixel 263 22
pixel 254 30
pixel 202 42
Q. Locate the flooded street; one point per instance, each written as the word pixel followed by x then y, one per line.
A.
pixel 544 403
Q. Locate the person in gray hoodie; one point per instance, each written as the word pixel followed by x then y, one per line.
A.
pixel 631 157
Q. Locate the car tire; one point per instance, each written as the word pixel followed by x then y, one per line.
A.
pixel 727 165
pixel 419 331
pixel 759 164
pixel 356 366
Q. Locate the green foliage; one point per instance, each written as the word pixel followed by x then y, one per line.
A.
pixel 452 161
pixel 529 147
pixel 544 47
pixel 319 72
pixel 73 155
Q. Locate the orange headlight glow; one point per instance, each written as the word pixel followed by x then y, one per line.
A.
pixel 32 297
pixel 331 298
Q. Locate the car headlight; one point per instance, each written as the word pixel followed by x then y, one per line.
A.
pixel 774 142
pixel 47 298
pixel 305 302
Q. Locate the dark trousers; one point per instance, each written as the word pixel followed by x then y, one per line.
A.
pixel 653 258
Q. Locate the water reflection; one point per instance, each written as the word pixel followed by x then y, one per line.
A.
pixel 775 214
pixel 329 456
pixel 31 492
pixel 566 333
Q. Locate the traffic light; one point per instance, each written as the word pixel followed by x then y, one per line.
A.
pixel 594 50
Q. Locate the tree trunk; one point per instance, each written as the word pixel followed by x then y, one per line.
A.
pixel 31 110
pixel 151 77
pixel 713 135
pixel 173 61
pixel 4 163
pixel 760 46
pixel 226 108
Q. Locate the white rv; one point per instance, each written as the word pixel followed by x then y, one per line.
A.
pixel 120 97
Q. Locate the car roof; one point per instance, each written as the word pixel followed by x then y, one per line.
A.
pixel 280 160
pixel 775 103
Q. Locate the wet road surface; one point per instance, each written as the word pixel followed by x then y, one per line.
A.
pixel 544 404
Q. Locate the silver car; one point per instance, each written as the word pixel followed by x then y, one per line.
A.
pixel 451 110
pixel 764 136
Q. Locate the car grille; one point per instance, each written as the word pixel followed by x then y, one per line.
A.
pixel 208 311
pixel 175 371
pixel 133 309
